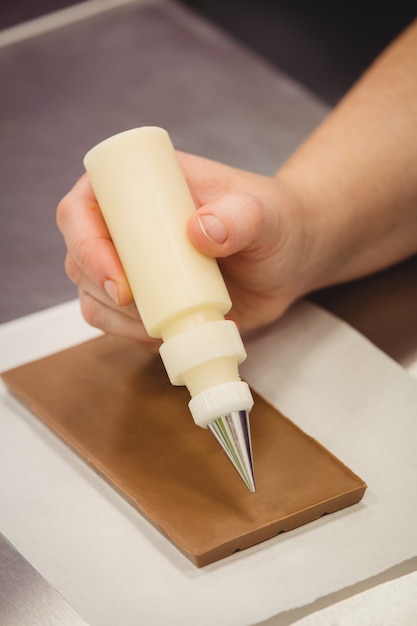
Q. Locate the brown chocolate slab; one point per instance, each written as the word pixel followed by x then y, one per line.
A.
pixel 113 404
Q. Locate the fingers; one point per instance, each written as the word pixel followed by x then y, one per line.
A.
pixel 100 311
pixel 115 322
pixel 93 265
pixel 90 248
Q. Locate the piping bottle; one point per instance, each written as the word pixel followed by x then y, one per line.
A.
pixel 179 292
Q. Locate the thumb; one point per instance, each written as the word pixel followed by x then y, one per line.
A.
pixel 227 225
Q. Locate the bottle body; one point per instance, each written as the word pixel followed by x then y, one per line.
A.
pixel 179 292
pixel 146 203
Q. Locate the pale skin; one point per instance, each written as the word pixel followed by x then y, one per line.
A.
pixel 343 206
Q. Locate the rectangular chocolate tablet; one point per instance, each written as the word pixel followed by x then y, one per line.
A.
pixel 113 404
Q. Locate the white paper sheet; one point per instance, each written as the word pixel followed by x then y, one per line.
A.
pixel 393 603
pixel 114 568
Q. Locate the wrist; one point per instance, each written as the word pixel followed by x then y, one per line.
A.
pixel 311 220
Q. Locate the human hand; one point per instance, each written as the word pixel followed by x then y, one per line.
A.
pixel 250 222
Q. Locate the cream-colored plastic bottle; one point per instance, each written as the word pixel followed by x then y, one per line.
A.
pixel 179 292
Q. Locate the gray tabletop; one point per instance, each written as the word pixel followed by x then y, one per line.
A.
pixel 26 597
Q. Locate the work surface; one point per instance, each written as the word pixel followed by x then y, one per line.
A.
pixel 113 567
pixel 217 99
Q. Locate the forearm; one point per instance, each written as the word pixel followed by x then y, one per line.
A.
pixel 356 176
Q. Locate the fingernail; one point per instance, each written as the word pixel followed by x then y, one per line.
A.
pixel 213 228
pixel 111 290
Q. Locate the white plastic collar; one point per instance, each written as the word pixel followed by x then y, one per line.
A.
pixel 220 400
pixel 201 344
